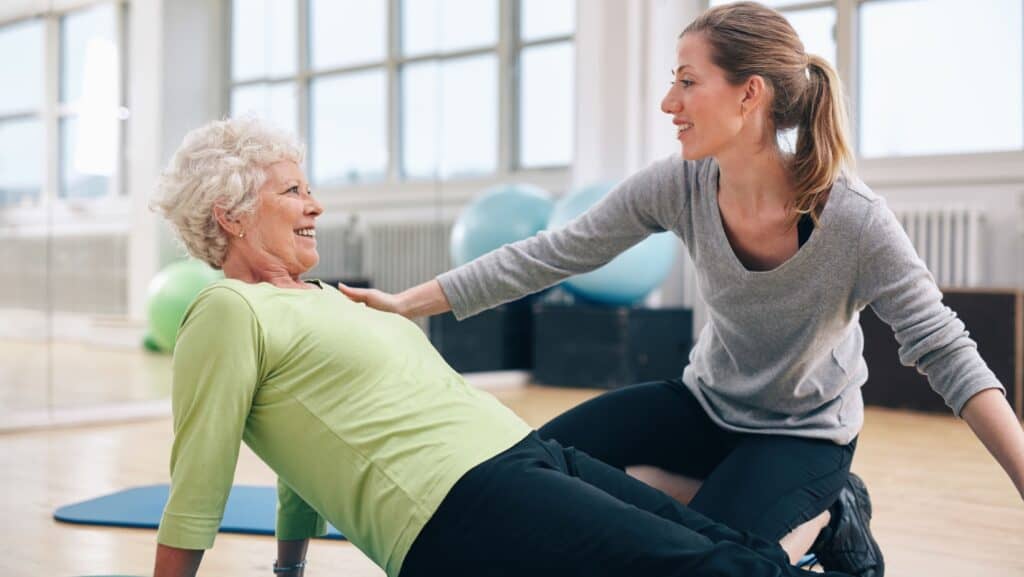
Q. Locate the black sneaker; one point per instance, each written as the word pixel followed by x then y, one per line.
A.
pixel 846 544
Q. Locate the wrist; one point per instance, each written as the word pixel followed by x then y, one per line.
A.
pixel 289 569
pixel 403 306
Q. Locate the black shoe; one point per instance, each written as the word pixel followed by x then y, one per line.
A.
pixel 846 544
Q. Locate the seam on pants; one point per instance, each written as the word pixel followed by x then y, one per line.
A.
pixel 816 507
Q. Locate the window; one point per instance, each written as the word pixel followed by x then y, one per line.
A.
pixel 89 86
pixel 86 111
pixel 348 132
pixel 450 117
pixel 264 61
pixel 407 90
pixel 813 22
pixel 449 92
pixel 955 86
pixel 22 148
pixel 546 87
pixel 816 28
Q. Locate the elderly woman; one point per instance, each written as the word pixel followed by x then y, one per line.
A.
pixel 364 423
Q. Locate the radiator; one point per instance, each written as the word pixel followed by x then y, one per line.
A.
pixel 949 238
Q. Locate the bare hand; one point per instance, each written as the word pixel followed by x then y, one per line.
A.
pixel 372 298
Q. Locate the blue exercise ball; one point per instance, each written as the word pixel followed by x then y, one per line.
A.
pixel 499 215
pixel 629 277
pixel 171 292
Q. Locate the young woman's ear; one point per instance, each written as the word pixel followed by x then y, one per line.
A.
pixel 755 90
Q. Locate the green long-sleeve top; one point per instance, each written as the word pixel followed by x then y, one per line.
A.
pixel 364 423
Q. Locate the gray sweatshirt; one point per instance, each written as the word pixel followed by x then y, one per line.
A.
pixel 782 351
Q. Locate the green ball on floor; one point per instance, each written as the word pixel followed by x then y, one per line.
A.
pixel 149 343
pixel 171 292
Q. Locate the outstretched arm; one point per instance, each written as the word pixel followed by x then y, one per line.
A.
pixel 898 286
pixel 647 202
pixel 993 421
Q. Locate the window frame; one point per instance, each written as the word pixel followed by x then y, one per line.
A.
pixel 52 212
pixel 394 187
pixel 954 168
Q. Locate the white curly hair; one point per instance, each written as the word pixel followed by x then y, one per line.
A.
pixel 221 164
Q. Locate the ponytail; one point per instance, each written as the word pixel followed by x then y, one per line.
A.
pixel 822 150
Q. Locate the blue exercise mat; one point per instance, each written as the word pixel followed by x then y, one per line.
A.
pixel 249 510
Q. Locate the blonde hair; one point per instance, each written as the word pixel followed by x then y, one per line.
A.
pixel 219 164
pixel 748 39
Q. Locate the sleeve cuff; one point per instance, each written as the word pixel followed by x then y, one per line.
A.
pixel 185 532
pixel 957 403
pixel 449 286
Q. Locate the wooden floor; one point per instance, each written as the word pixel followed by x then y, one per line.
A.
pixel 942 506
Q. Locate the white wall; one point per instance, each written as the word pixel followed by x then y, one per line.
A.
pixel 142 153
pixel 178 67
pixel 194 52
pixel 177 70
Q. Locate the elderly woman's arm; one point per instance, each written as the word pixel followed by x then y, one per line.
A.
pixel 216 371
pixel 291 554
pixel 174 562
pixel 296 523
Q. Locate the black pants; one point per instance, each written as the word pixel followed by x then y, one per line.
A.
pixel 764 484
pixel 539 509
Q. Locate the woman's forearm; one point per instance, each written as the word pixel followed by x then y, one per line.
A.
pixel 995 424
pixel 174 562
pixel 423 300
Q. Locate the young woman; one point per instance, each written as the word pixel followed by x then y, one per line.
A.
pixel 788 249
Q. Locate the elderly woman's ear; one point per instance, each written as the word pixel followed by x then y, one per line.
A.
pixel 232 226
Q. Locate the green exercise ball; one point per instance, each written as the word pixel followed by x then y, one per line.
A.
pixel 171 291
pixel 149 343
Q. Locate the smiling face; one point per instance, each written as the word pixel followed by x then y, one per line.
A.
pixel 706 110
pixel 280 236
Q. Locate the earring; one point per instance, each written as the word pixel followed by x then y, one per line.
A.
pixel 241 234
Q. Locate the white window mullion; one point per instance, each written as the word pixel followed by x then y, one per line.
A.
pixel 228 67
pixel 50 115
pixel 846 62
pixel 302 81
pixel 508 87
pixel 118 187
pixel 393 71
